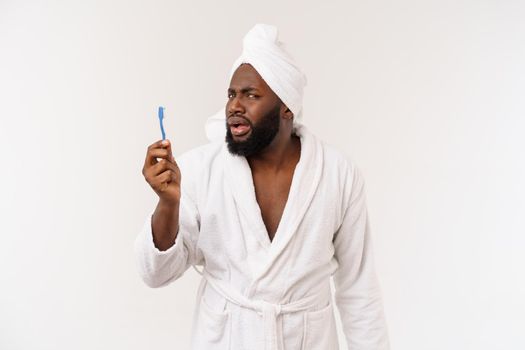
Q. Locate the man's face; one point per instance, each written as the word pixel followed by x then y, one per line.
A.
pixel 253 113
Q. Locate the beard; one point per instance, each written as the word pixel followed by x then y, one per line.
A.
pixel 262 134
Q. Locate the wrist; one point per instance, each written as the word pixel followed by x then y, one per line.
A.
pixel 165 205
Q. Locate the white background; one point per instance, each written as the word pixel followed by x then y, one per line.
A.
pixel 427 97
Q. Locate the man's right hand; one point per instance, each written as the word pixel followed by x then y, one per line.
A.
pixel 163 175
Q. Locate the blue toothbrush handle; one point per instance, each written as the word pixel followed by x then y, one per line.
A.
pixel 161 118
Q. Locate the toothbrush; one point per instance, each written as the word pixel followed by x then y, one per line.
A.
pixel 161 117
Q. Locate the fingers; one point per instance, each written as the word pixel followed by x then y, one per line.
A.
pixel 162 166
pixel 164 179
pixel 165 176
pixel 158 150
pixel 162 172
pixel 167 147
pixel 158 173
pixel 154 154
pixel 161 183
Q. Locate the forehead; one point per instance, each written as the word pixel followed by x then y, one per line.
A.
pixel 246 75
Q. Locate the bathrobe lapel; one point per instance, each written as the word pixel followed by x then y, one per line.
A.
pixel 239 179
pixel 304 185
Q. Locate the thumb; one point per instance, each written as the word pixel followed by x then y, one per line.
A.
pixel 168 147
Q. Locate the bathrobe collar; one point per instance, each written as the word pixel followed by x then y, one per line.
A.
pixel 305 181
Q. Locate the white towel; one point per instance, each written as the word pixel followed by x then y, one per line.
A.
pixel 263 50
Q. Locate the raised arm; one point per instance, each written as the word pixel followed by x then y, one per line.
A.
pixel 165 247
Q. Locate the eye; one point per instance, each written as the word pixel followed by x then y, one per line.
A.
pixel 230 95
pixel 252 96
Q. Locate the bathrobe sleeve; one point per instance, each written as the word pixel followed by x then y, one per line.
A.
pixel 160 268
pixel 357 290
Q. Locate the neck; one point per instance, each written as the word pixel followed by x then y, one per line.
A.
pixel 282 152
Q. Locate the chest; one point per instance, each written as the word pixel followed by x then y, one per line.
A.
pixel 271 192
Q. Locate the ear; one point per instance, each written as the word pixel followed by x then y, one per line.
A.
pixel 286 113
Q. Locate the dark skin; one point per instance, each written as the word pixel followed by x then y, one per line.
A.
pixel 272 169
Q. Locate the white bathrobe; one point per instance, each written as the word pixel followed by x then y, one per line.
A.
pixel 262 294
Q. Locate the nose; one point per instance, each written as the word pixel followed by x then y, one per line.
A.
pixel 235 106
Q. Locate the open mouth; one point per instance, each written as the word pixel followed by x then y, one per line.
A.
pixel 239 129
pixel 239 126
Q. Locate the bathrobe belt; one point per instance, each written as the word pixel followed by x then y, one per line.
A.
pixel 269 311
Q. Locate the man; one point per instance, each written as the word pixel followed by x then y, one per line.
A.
pixel 270 214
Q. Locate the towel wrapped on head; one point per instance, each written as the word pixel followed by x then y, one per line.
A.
pixel 263 50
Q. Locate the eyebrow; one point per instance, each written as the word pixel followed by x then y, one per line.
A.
pixel 244 89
